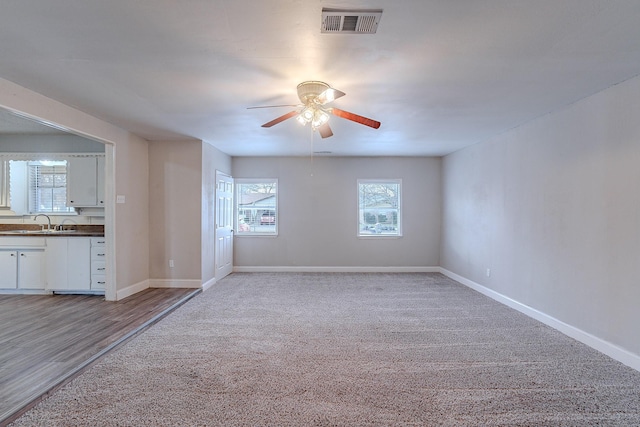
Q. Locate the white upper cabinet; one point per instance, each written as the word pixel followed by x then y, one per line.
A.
pixel 85 181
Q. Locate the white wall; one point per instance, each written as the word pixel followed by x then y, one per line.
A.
pixel 317 216
pixel 181 211
pixel 553 209
pixel 175 189
pixel 132 217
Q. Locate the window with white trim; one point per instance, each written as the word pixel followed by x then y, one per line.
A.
pixel 48 187
pixel 256 207
pixel 379 208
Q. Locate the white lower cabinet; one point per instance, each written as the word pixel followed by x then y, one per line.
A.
pixel 31 272
pixel 22 269
pixel 68 263
pixel 8 269
pixel 22 263
pixel 59 263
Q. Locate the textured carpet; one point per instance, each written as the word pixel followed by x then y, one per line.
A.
pixel 346 350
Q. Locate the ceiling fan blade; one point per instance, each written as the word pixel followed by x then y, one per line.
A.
pixel 355 118
pixel 329 95
pixel 273 106
pixel 325 131
pixel 280 119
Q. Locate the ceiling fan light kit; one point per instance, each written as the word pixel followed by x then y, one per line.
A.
pixel 314 95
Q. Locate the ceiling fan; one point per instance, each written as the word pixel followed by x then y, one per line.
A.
pixel 314 95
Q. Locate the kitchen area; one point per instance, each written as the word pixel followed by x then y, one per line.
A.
pixel 52 200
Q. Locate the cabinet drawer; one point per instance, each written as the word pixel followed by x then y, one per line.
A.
pixel 97 241
pixel 97 253
pixel 98 267
pixel 12 243
pixel 98 281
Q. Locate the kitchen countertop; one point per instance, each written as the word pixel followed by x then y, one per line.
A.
pixel 53 234
pixel 28 230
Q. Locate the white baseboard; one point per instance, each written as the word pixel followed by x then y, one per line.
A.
pixel 132 289
pixel 175 283
pixel 618 353
pixel 354 269
pixel 208 284
pixel 157 283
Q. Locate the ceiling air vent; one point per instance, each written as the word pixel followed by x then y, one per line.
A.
pixel 342 21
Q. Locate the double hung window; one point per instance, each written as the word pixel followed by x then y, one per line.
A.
pixel 48 187
pixel 379 208
pixel 257 207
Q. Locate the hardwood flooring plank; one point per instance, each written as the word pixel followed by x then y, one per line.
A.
pixel 44 339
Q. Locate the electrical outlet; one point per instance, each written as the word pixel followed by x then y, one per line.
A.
pixel 171 263
pixel 488 272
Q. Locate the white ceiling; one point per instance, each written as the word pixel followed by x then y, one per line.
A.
pixel 439 74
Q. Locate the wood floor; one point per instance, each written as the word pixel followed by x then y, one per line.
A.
pixel 45 340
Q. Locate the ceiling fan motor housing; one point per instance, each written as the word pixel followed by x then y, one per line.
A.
pixel 314 94
pixel 308 91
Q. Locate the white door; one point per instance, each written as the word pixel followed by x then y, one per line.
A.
pixel 224 225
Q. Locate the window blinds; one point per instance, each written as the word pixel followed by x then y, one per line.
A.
pixel 48 187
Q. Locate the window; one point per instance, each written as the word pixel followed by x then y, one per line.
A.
pixel 257 207
pixel 379 208
pixel 48 187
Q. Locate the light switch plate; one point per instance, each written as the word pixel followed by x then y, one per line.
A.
pixel 120 198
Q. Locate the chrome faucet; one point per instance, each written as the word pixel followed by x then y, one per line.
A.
pixel 64 221
pixel 48 219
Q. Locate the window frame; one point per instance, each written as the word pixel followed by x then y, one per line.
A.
pixel 33 188
pixel 399 209
pixel 238 183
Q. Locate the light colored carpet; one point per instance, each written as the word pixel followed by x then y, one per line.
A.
pixel 346 350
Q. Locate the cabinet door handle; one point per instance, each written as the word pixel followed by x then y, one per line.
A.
pixel 101 283
pixel 100 254
pixel 13 254
pixel 102 269
pixel 23 255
